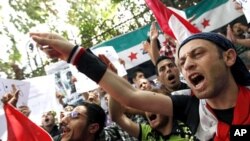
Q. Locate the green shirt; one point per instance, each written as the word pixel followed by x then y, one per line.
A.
pixel 180 132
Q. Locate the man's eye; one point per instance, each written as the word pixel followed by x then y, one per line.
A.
pixel 198 54
pixel 162 69
pixel 181 63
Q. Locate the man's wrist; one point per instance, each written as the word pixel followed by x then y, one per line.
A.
pixel 72 53
pixel 153 38
pixel 75 54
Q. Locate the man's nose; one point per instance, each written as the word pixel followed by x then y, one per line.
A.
pixel 189 64
pixel 167 69
pixel 64 118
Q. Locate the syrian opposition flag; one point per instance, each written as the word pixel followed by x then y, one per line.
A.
pixel 20 128
pixel 210 15
pixel 170 22
pixel 130 49
pixel 206 16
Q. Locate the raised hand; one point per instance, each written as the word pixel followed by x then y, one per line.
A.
pixel 237 6
pixel 230 35
pixel 153 31
pixel 53 45
pixel 11 97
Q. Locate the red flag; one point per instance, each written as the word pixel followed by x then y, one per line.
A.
pixel 21 128
pixel 163 16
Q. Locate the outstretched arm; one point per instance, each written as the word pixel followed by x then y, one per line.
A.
pixel 116 111
pixel 126 94
pixel 243 42
pixel 90 65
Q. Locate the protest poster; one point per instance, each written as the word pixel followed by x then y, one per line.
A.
pixel 63 77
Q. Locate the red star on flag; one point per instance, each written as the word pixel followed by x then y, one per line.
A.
pixel 132 56
pixel 205 23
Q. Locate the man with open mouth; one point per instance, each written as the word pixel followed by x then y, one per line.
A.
pixel 49 123
pixel 84 123
pixel 168 75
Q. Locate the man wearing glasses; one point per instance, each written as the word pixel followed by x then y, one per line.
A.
pixel 84 123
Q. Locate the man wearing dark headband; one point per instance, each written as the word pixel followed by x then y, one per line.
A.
pixel 208 62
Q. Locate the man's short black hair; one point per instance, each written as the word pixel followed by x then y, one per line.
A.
pixel 95 115
pixel 135 71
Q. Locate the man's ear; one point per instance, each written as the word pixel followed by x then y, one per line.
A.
pixel 230 57
pixel 133 79
pixel 93 128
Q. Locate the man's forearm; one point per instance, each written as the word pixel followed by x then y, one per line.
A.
pixel 154 51
pixel 116 110
pixel 243 42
